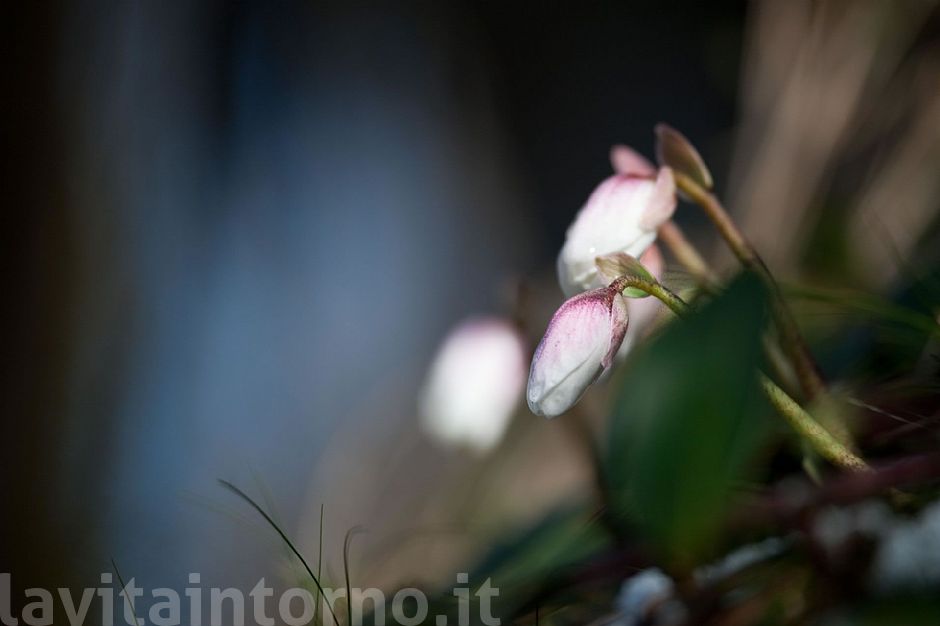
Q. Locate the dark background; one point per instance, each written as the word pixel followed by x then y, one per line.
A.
pixel 228 224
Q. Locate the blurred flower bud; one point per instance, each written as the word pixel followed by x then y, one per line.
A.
pixel 474 384
pixel 582 338
pixel 622 215
pixel 675 151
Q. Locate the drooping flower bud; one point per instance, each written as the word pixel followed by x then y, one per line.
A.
pixel 582 338
pixel 622 215
pixel 474 384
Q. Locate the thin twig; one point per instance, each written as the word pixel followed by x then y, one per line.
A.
pixel 802 422
pixel 676 304
pixel 793 341
pixel 692 260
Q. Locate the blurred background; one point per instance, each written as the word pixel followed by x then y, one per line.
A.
pixel 238 231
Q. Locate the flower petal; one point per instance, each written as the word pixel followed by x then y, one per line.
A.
pixel 619 319
pixel 626 160
pixel 574 350
pixel 662 201
pixel 610 221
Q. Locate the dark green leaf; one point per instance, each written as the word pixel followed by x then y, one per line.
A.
pixel 688 419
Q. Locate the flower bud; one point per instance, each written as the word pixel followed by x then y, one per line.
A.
pixel 674 150
pixel 622 215
pixel 580 343
pixel 474 384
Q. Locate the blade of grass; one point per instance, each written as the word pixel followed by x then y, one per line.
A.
pixel 316 607
pixel 866 303
pixel 349 535
pixel 130 602
pixel 268 499
pixel 244 496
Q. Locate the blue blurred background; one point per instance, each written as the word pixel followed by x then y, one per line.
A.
pixel 238 230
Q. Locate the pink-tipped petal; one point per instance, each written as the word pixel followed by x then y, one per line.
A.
pixel 622 215
pixel 662 202
pixel 576 348
pixel 653 261
pixel 619 320
pixel 626 160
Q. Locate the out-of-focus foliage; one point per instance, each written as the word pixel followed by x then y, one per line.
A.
pixel 541 554
pixel 686 422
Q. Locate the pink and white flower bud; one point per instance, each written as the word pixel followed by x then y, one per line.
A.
pixel 580 343
pixel 622 215
pixel 474 384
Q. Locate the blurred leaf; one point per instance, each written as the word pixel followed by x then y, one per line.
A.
pixel 870 305
pixel 909 611
pixel 558 540
pixel 520 567
pixel 688 418
pixel 674 150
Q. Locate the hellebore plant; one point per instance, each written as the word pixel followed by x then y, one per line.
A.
pixel 477 378
pixel 619 222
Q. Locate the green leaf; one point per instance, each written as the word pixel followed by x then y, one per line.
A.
pixel 910 610
pixel 688 418
pixel 557 541
pixel 674 150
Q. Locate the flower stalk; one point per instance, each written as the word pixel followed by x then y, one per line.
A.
pixel 692 260
pixel 793 342
pixel 676 304
pixel 821 440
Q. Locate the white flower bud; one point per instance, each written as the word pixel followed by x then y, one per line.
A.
pixel 474 384
pixel 622 215
pixel 579 344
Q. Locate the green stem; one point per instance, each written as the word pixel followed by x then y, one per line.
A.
pixel 692 260
pixel 793 342
pixel 802 422
pixel 676 304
